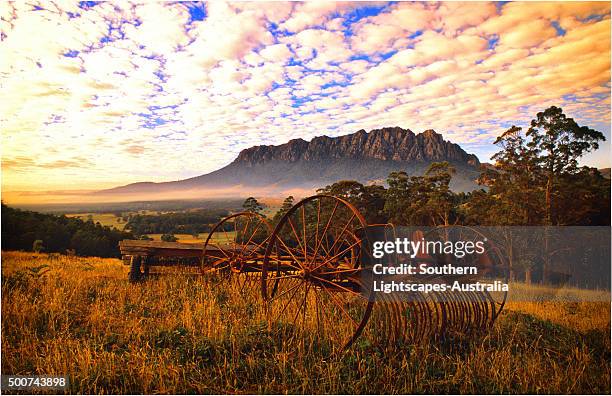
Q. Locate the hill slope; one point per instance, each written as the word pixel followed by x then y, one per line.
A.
pixel 366 157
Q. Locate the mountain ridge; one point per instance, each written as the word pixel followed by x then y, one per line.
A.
pixel 389 144
pixel 363 156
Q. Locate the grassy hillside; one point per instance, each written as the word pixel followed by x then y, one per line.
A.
pixel 179 333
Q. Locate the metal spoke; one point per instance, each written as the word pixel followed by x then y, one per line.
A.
pixel 327 225
pixel 297 238
pixel 336 239
pixel 341 271
pixel 338 286
pixel 289 251
pixel 244 246
pixel 304 228
pixel 331 258
pixel 284 292
pixel 221 250
pixel 339 305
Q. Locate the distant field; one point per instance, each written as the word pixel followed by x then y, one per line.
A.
pixel 136 206
pixel 106 219
pixel 182 238
pixel 200 334
pixel 187 238
pixel 110 220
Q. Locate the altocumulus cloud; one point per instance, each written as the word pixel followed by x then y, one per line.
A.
pixel 195 83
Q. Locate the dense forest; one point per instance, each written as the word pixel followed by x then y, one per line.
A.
pixel 26 230
pixel 191 222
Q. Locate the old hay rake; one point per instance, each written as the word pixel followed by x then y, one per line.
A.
pixel 313 273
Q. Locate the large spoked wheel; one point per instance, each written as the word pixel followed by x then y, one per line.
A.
pixel 236 246
pixel 312 277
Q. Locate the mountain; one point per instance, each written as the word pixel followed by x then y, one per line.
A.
pixel 366 157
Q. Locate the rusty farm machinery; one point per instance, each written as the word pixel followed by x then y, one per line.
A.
pixel 313 273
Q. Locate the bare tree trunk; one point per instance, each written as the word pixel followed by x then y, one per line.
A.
pixel 528 276
pixel 545 264
pixel 549 184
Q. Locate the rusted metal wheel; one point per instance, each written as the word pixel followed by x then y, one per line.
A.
pixel 236 245
pixel 312 273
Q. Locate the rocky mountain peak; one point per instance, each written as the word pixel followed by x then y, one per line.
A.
pixel 431 134
pixel 386 144
pixel 368 157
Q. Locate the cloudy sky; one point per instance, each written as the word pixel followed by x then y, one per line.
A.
pixel 99 94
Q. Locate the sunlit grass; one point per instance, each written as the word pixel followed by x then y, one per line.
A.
pixel 181 333
pixel 106 219
pixel 218 237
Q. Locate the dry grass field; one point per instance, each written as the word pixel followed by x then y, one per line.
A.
pixel 180 333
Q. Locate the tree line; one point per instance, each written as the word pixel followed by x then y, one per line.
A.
pixel 26 230
pixel 190 222
pixel 535 180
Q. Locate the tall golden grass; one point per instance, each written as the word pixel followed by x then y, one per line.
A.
pixel 180 333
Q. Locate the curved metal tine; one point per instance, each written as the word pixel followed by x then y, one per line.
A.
pixel 468 315
pixel 394 310
pixel 457 314
pixel 471 315
pixel 444 316
pixel 483 308
pixel 491 304
pixel 431 314
pixel 351 271
pixel 414 325
pixel 453 310
pixel 480 309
